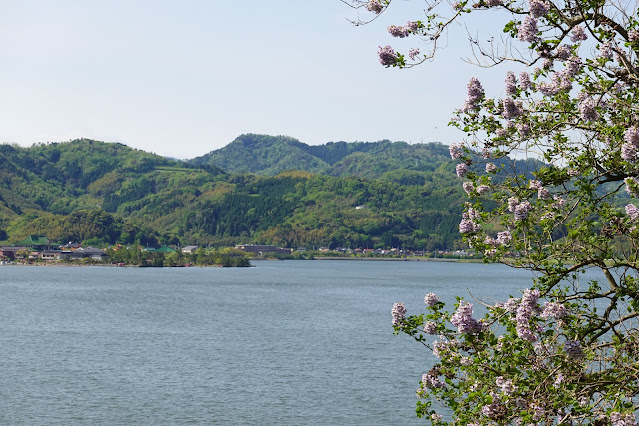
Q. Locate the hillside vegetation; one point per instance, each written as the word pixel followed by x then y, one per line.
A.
pixel 275 190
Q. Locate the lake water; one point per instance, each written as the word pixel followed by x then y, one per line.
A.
pixel 293 342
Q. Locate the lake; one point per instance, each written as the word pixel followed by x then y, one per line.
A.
pixel 289 342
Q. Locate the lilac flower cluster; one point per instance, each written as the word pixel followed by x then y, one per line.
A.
pixel 632 211
pixel 513 202
pixel 587 110
pixel 374 6
pixel 618 419
pixel 506 385
pixel 413 52
pixel 430 328
pixel 632 186
pixel 559 203
pixel 398 31
pixel 554 310
pixel 534 184
pixel 578 34
pixel 524 81
pixel 468 187
pixel 475 94
pixel 491 168
pixel 605 50
pixel 435 417
pixel 504 237
pixel 522 210
pixel 511 84
pixel 399 313
pixel 387 56
pixel 468 222
pixel 455 150
pixel 563 52
pixel 543 194
pixel 492 3
pixel 538 8
pixel 631 144
pixel 431 299
pixel 511 108
pixel 461 169
pixel 463 319
pixel 527 31
pixel 525 311
pixel 483 189
pixel 573 349
pixel 493 410
pixel 633 35
pixel 523 129
pixel 430 381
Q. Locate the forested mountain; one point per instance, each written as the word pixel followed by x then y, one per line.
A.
pixel 106 193
pixel 270 155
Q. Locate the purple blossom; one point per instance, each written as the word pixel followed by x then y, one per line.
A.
pixel 431 299
pixel 633 35
pixel 524 81
pixel 513 202
pixel 631 135
pixel 463 319
pixel 461 169
pixel 522 210
pixel 474 96
pixel 492 3
pixel 491 168
pixel 374 6
pixel 543 194
pixel 578 34
pixel 455 150
pixel 573 349
pixel 511 84
pixel 387 56
pixel 563 52
pixel 632 211
pixel 399 313
pixel 554 310
pixel 512 109
pixel 468 187
pixel 506 385
pixel 430 381
pixel 534 184
pixel 523 129
pixel 397 31
pixel 632 186
pixel 618 419
pixel 413 52
pixel 412 26
pixel 605 50
pixel 493 410
pixel 572 66
pixel 629 152
pixel 504 237
pixel 483 189
pixel 538 8
pixel 525 311
pixel 435 417
pixel 466 226
pixel 430 327
pixel 527 31
pixel 587 110
pixel 559 202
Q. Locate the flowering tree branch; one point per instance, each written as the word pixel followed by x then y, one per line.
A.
pixel 567 350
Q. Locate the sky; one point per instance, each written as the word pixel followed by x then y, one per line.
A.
pixel 181 78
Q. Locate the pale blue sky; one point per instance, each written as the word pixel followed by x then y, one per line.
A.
pixel 184 77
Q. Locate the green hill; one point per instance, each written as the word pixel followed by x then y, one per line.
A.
pixel 270 155
pixel 107 193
